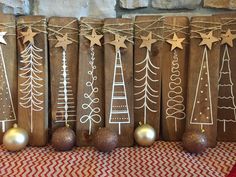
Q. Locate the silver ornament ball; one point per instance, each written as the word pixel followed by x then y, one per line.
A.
pixel 145 135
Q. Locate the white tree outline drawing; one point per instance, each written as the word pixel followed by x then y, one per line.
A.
pixel 193 120
pixel 226 62
pixel 30 87
pixel 175 103
pixel 147 93
pixel 93 116
pixel 11 117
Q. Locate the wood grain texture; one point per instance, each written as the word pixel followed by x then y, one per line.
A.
pixel 33 118
pixel 59 26
pixel 90 92
pixel 226 127
pixel 147 72
pixel 198 109
pixel 174 79
pixel 8 70
pixel 123 27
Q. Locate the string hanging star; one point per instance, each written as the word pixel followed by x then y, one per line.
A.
pixel 147 41
pixel 28 35
pixel 175 42
pixel 2 40
pixel 63 41
pixel 208 39
pixel 119 42
pixel 228 38
pixel 94 38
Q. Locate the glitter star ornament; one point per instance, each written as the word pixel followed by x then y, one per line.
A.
pixel 147 41
pixel 2 40
pixel 63 41
pixel 175 42
pixel 208 39
pixel 94 38
pixel 119 42
pixel 228 38
pixel 28 35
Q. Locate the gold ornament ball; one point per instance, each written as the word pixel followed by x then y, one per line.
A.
pixel 15 139
pixel 145 135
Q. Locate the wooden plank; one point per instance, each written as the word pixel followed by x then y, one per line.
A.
pixel 147 71
pixel 118 63
pixel 90 92
pixel 8 72
pixel 33 78
pixel 227 80
pixel 174 77
pixel 63 70
pixel 203 76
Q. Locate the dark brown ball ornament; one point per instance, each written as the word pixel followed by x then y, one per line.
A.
pixel 63 138
pixel 194 141
pixel 105 140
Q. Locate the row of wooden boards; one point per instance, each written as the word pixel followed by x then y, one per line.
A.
pixel 167 75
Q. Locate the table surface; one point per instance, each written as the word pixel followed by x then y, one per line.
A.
pixel 164 159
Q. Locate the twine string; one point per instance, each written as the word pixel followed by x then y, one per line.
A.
pixel 87 26
pixel 5 27
pixel 227 23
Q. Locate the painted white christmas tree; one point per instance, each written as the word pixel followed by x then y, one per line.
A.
pixel 202 105
pixel 226 99
pixel 6 103
pixel 93 101
pixel 119 110
pixel 175 103
pixel 66 111
pixel 146 94
pixel 30 71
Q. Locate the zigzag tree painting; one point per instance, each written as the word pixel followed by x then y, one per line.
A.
pixel 119 110
pixel 147 94
pixel 7 108
pixel 226 99
pixel 30 71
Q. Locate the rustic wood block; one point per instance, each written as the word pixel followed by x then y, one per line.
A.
pixel 147 72
pixel 63 70
pixel 90 94
pixel 226 4
pixel 8 70
pixel 118 62
pixel 33 78
pixel 203 76
pixel 174 78
pixel 226 127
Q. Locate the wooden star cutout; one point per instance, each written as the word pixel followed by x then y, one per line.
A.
pixel 228 38
pixel 2 40
pixel 28 35
pixel 175 42
pixel 147 41
pixel 119 42
pixel 208 39
pixel 63 41
pixel 94 38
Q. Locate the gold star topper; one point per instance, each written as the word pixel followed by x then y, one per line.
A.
pixel 228 38
pixel 147 41
pixel 2 40
pixel 175 42
pixel 28 35
pixel 94 38
pixel 63 41
pixel 208 39
pixel 119 42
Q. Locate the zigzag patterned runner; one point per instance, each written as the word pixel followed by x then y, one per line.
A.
pixel 162 159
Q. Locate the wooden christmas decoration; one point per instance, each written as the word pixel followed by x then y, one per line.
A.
pixel 8 72
pixel 174 76
pixel 226 127
pixel 147 73
pixel 118 64
pixel 90 95
pixel 63 43
pixel 203 76
pixel 32 78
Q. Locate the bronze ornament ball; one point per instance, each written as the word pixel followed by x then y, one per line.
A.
pixel 105 140
pixel 63 139
pixel 194 141
pixel 15 139
pixel 144 135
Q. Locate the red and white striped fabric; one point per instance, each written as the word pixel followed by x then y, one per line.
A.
pixel 162 159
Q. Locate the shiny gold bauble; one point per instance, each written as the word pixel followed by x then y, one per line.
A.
pixel 145 135
pixel 15 139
